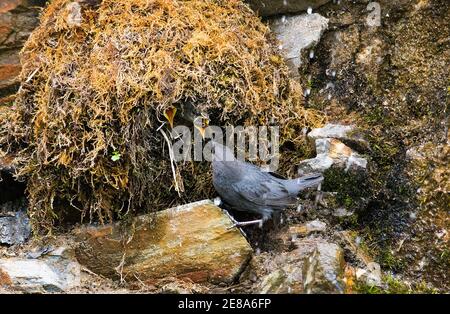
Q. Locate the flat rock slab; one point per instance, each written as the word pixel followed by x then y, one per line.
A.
pixel 52 274
pixel 190 241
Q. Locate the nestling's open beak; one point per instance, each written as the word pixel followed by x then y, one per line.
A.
pixel 201 123
pixel 170 115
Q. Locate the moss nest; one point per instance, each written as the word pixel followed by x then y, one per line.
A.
pixel 98 74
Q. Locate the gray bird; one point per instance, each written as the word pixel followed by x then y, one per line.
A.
pixel 246 187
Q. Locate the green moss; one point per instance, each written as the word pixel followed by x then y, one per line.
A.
pixel 392 285
pixel 444 257
pixel 389 261
pixel 349 222
pixel 350 187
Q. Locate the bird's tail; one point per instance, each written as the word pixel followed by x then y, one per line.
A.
pixel 308 181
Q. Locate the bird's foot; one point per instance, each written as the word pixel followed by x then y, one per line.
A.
pixel 247 223
pixel 319 199
pixel 319 196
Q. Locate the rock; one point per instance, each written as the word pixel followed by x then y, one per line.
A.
pixel 370 275
pixel 307 228
pixel 287 276
pixel 341 212
pixel 323 270
pixel 296 34
pixel 15 228
pixel 332 131
pixel 49 250
pixel 351 242
pixel 318 164
pixel 314 266
pixel 176 286
pixel 39 275
pixel 190 241
pixel 374 19
pixel 274 282
pixel 17 19
pixel 355 161
pixel 348 134
pixel 331 151
pixel 274 7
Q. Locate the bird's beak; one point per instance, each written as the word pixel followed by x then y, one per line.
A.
pixel 170 115
pixel 201 123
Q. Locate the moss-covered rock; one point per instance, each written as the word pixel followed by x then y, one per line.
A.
pixel 392 80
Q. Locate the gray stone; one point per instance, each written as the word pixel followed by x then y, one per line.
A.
pixel 274 7
pixel 14 228
pixel 318 164
pixel 371 275
pixel 296 34
pixel 316 226
pixel 341 212
pixel 323 270
pixel 347 134
pixel 39 275
pixel 332 131
pixel 314 266
pixel 307 228
pixel 355 162
pixel 273 282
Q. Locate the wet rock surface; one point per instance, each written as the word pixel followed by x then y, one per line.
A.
pixel 314 266
pixel 324 268
pixel 381 68
pixel 50 274
pixel 370 275
pixel 15 227
pixel 274 7
pixel 193 241
pixel 17 19
pixel 298 35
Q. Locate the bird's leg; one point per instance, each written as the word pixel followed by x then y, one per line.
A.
pixel 260 222
pixel 247 223
pixel 319 195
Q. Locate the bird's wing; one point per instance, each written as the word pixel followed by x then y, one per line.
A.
pixel 262 190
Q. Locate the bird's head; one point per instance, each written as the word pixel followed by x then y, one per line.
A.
pixel 189 113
